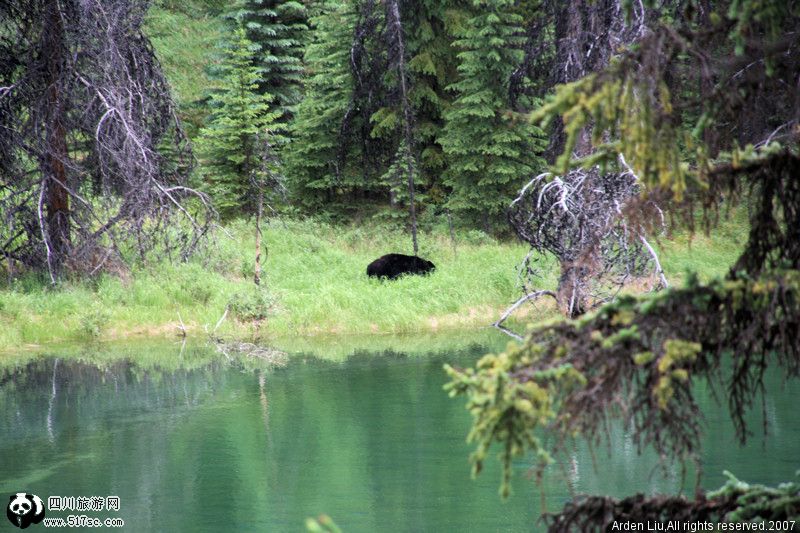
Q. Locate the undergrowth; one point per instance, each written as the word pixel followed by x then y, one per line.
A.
pixel 314 283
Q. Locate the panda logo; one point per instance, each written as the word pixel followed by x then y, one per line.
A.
pixel 25 509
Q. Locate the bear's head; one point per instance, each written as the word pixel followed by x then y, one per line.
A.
pixel 25 509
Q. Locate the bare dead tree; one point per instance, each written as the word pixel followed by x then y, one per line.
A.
pixel 596 258
pixel 93 160
pixel 259 236
pixel 583 217
pixel 266 180
pixel 568 40
pixel 595 226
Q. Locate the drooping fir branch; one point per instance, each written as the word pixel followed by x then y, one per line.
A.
pixel 639 105
pixel 735 501
pixel 637 360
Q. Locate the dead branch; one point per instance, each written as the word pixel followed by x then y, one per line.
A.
pixel 93 161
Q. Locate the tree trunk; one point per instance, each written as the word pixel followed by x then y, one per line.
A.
pixel 259 213
pixel 10 269
pixel 56 196
pixel 570 294
pixel 452 232
pixel 397 28
pixel 412 211
pixel 583 46
pixel 9 259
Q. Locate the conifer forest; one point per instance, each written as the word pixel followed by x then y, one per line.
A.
pixel 610 189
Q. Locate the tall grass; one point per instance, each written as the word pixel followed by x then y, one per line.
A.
pixel 315 284
pixel 315 278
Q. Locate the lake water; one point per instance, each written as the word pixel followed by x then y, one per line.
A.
pixel 189 442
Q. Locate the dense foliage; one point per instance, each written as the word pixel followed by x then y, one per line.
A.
pixel 430 101
pixel 277 31
pixel 241 125
pixel 313 161
pixel 628 360
pixel 488 146
pixel 639 358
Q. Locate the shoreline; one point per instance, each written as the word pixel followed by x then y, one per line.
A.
pixel 194 333
pixel 170 353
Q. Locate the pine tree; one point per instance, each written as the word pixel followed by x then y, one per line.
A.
pixel 490 149
pixel 430 67
pixel 228 145
pixel 276 29
pixel 312 160
pixel 429 28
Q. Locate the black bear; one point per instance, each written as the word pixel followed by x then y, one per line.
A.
pixel 25 509
pixel 392 266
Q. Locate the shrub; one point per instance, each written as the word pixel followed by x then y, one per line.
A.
pixel 252 304
pixel 93 322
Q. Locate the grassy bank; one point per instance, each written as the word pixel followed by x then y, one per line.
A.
pixel 315 284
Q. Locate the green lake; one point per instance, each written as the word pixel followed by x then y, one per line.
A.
pixel 191 442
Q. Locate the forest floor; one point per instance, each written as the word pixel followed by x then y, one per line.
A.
pixel 314 284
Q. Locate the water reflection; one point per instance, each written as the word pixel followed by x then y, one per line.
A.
pixel 192 443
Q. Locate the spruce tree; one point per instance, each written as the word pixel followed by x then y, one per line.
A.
pixel 312 160
pixel 429 67
pixel 228 145
pixel 490 149
pixel 432 66
pixel 277 30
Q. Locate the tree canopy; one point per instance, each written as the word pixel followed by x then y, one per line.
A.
pixel 427 84
pixel 488 146
pixel 241 119
pixel 703 106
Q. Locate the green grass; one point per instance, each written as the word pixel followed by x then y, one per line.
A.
pixel 707 255
pixel 314 272
pixel 314 285
pixel 314 275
